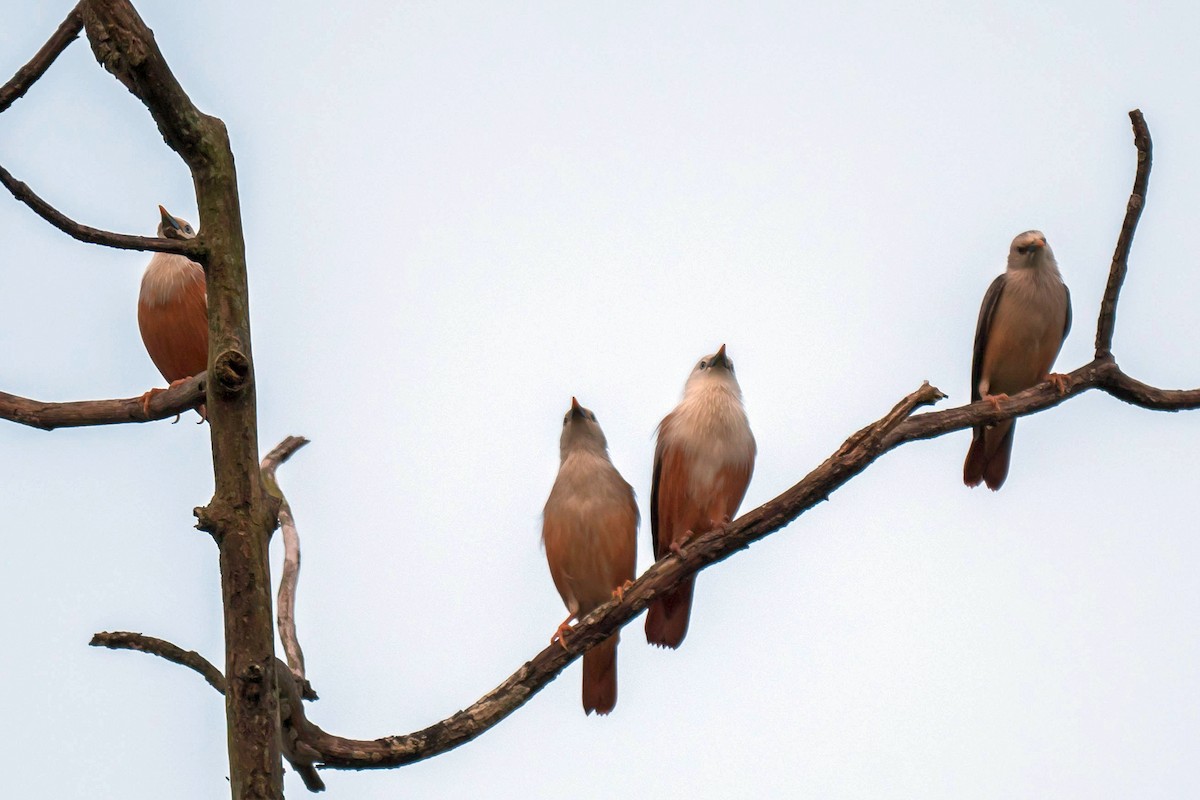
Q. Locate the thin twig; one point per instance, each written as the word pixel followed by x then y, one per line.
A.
pixel 48 416
pixel 192 248
pixel 127 640
pixel 285 614
pixel 27 75
pixel 1133 212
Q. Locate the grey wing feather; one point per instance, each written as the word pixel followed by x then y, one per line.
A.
pixel 1067 326
pixel 654 500
pixel 982 328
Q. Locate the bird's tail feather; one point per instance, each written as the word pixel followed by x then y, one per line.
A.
pixel 667 619
pixel 600 677
pixel 987 460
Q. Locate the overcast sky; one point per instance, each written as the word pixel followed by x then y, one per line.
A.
pixel 460 215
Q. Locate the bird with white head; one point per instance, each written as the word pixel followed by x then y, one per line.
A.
pixel 1023 322
pixel 702 467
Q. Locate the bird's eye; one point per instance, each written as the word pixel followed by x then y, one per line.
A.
pixel 703 365
pixel 187 228
pixel 566 419
pixel 1023 249
pixel 592 416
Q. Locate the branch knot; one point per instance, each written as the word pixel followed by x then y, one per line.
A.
pixel 232 372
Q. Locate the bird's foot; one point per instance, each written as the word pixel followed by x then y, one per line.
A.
pixel 560 633
pixel 619 592
pixel 676 546
pixel 996 399
pixel 720 523
pixel 1059 380
pixel 147 397
pixel 172 386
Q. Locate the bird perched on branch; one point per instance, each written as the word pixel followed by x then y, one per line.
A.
pixel 702 466
pixel 1024 320
pixel 589 528
pixel 173 311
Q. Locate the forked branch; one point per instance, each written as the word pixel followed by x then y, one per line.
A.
pixel 295 730
pixel 20 83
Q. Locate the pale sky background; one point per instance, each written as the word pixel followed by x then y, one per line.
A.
pixel 460 215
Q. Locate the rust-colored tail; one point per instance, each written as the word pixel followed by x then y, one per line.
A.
pixel 667 619
pixel 987 460
pixel 600 677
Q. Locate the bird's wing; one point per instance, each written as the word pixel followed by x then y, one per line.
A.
pixel 1067 325
pixel 987 312
pixel 556 536
pixel 655 478
pixel 1048 350
pixel 668 496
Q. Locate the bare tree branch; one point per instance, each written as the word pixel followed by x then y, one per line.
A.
pixel 285 612
pixel 295 730
pixel 855 455
pixel 1133 212
pixel 48 416
pixel 1104 375
pixel 27 75
pixel 192 248
pixel 126 640
pixel 858 451
pixel 1132 391
pixel 241 514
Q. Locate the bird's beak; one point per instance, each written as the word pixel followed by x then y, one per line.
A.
pixel 1039 243
pixel 168 220
pixel 576 409
pixel 720 358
